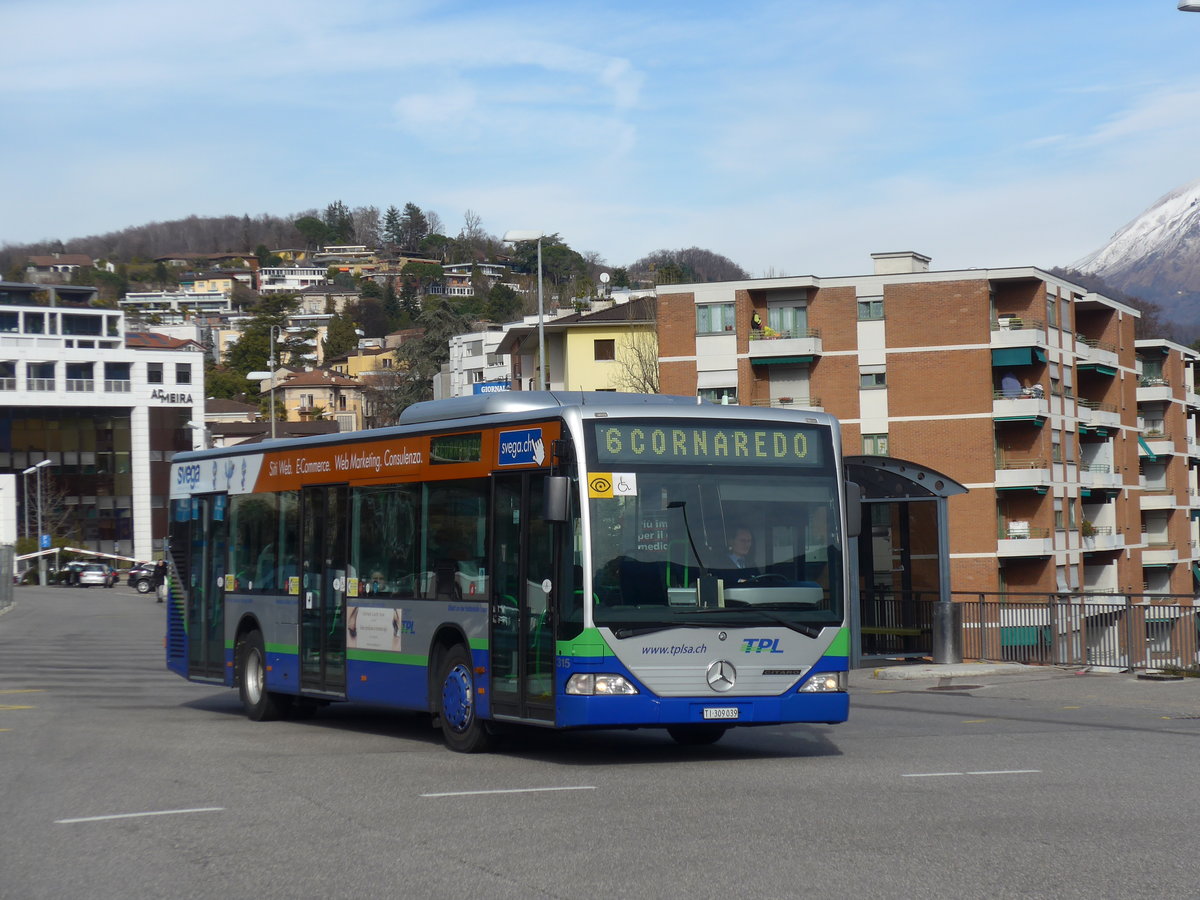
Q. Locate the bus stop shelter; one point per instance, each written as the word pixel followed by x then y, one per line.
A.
pixel 902 605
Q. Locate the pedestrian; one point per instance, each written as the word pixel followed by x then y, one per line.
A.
pixel 160 579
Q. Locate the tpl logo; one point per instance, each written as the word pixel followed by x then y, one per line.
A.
pixel 761 645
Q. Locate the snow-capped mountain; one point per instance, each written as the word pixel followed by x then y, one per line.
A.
pixel 1157 256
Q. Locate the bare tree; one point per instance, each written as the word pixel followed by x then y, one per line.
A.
pixel 637 363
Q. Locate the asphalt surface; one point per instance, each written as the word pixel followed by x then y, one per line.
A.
pixel 118 779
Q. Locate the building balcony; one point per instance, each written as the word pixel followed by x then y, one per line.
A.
pixel 1099 476
pixel 1193 447
pixel 1025 407
pixel 1102 538
pixel 1022 474
pixel 1019 539
pixel 784 347
pixel 1158 499
pixel 80 385
pixel 1098 414
pixel 1096 355
pixel 1191 398
pixel 790 403
pixel 1159 443
pixel 112 386
pixel 40 384
pixel 1017 331
pixel 8 384
pixel 1154 389
pixel 1158 552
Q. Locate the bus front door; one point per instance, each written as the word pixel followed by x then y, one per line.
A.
pixel 522 609
pixel 323 589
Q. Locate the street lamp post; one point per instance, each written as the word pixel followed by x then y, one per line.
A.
pixel 273 336
pixel 37 468
pixel 514 237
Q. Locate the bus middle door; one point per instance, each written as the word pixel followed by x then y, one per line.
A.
pixel 323 513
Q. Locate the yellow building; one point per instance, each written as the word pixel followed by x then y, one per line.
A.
pixel 615 349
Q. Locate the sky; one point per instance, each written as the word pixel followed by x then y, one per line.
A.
pixel 795 137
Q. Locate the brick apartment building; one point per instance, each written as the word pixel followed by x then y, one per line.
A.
pixel 1077 443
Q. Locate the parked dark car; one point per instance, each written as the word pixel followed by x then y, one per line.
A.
pixel 141 578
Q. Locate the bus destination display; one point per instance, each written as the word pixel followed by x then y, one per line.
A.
pixel 707 444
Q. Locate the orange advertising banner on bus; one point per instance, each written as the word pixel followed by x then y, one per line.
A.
pixel 394 457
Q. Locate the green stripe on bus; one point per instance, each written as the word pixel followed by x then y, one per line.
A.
pixel 841 644
pixel 285 649
pixel 387 656
pixel 589 643
pixel 478 643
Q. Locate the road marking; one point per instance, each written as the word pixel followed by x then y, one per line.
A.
pixel 1072 707
pixel 24 691
pixel 981 772
pixel 587 787
pixel 138 815
pixel 17 707
pixel 974 721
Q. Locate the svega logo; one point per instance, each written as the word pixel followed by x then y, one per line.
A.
pixel 188 475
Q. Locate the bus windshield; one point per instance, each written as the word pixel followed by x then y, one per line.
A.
pixel 716 545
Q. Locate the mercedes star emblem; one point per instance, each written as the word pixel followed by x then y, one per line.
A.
pixel 721 675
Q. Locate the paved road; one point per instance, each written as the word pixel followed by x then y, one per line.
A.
pixel 118 779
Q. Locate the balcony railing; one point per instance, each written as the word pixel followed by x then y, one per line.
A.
pixel 770 334
pixel 1017 323
pixel 1005 464
pixel 1098 405
pixel 1015 531
pixel 8 384
pixel 80 385
pixel 117 386
pixel 1095 344
pixel 41 384
pixel 788 402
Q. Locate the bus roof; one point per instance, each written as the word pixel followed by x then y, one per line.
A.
pixel 508 402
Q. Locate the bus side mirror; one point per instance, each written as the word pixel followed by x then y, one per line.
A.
pixel 853 509
pixel 557 498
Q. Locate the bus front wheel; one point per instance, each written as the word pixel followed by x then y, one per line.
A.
pixel 260 704
pixel 462 729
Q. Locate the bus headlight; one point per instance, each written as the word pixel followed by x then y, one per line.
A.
pixel 825 682
pixel 590 685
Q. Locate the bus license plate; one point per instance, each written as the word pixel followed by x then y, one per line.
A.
pixel 720 712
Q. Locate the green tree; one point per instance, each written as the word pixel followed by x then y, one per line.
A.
pixel 422 358
pixel 371 317
pixel 504 304
pixel 341 336
pixel 340 223
pixel 313 230
pixel 410 291
pixel 413 227
pixel 224 382
pixel 390 301
pixel 620 277
pixel 392 228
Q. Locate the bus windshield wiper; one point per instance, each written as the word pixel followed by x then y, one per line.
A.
pixel 806 630
pixel 638 630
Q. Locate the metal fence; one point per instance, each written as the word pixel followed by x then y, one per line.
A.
pixel 1136 631
pixel 7 572
pixel 1121 631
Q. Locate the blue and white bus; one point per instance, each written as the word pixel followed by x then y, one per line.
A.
pixel 557 559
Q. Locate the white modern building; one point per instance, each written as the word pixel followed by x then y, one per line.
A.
pixel 289 279
pixel 103 412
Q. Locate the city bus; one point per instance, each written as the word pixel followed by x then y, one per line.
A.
pixel 554 559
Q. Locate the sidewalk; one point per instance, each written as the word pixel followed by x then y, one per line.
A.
pixel 1069 686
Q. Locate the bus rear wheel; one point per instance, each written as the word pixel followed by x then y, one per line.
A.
pixel 260 704
pixel 697 735
pixel 462 729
